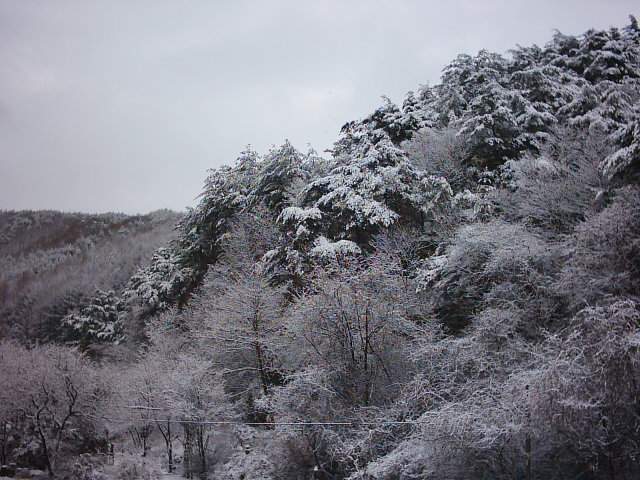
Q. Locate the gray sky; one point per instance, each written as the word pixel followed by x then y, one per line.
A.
pixel 123 105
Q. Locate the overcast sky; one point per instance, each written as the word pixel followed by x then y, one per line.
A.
pixel 123 105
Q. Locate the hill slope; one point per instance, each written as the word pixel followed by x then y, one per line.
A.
pixel 405 166
pixel 52 263
pixel 458 283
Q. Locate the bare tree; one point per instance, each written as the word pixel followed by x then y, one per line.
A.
pixel 54 389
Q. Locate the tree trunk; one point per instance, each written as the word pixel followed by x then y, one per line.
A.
pixel 201 444
pixel 168 442
pixel 188 450
pixel 261 371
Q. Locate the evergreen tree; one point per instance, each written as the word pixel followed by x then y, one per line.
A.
pixel 624 163
pixel 97 322
pixel 376 190
pixel 280 176
pixel 226 192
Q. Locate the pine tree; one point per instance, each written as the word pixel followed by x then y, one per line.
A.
pixel 280 175
pixel 376 190
pixel 227 191
pixel 491 127
pixel 624 163
pixel 98 321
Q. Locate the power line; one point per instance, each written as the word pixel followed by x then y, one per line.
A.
pixel 235 422
pixel 346 424
pixel 265 424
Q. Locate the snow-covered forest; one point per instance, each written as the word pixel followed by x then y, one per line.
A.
pixel 452 292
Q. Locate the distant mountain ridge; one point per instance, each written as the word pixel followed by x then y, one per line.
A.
pixel 52 262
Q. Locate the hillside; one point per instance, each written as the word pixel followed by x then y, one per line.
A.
pixel 452 294
pixel 52 263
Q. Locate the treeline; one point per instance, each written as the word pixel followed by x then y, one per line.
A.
pixel 454 294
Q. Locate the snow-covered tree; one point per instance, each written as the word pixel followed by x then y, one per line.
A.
pixel 355 323
pixel 54 397
pixel 491 126
pixel 377 190
pixel 241 319
pixel 387 123
pixel 451 97
pixel 226 192
pixel 280 177
pixel 101 320
pixel 160 283
pixel 624 163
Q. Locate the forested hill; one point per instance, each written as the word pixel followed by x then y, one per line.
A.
pixel 453 293
pixel 441 160
pixel 468 262
pixel 52 264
